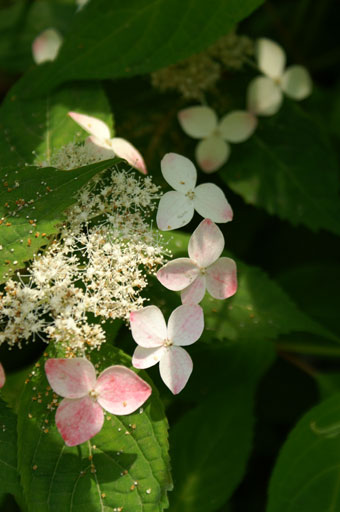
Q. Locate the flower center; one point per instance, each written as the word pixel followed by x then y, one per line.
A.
pixel 167 343
pixel 93 394
pixel 190 194
pixel 203 271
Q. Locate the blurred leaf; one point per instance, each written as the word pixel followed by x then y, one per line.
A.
pixel 307 473
pixel 9 477
pixel 329 383
pixel 38 197
pixel 125 465
pixel 289 168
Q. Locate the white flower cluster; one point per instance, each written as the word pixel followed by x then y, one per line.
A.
pixel 93 272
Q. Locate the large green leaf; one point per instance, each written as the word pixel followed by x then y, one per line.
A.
pixel 211 443
pixel 289 168
pixel 124 467
pixel 111 39
pixel 307 473
pixel 38 197
pixel 9 477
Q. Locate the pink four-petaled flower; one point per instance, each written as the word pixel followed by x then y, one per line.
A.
pixel 203 269
pixel 80 415
pixel 161 343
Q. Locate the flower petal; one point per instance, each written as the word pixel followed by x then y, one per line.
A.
pixel 175 210
pixel 121 391
pixel 271 58
pixel 70 378
pixel 206 243
pixel 186 324
pixel 79 420
pixel 178 274
pixel 198 122
pixel 264 97
pixel 148 327
pixel 92 125
pixel 297 83
pixel 222 278
pixel 211 203
pixel 237 126
pixel 2 376
pixel 126 150
pixel 179 172
pixel 46 46
pixel 145 357
pixel 99 148
pixel 175 368
pixel 195 292
pixel 212 153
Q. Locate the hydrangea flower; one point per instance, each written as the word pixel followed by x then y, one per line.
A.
pixel 200 122
pixel 2 376
pixel 204 269
pixel 100 138
pixel 45 46
pixel 80 415
pixel 265 93
pixel 176 208
pixel 160 343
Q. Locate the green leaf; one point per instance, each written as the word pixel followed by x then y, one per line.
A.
pixel 125 465
pixel 307 473
pixel 9 477
pixel 109 39
pixel 32 130
pixel 47 192
pixel 211 444
pixel 288 168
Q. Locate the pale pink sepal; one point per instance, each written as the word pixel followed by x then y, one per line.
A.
pixel 2 376
pixel 91 125
pixel 271 58
pixel 178 274
pixel 78 420
pixel 264 96
pixel 70 378
pixel 211 203
pixel 46 45
pixel 296 82
pixel 206 243
pixel 99 148
pixel 194 293
pixel 145 357
pixel 148 327
pixel 128 152
pixel 237 126
pixel 198 121
pixel 212 153
pixel 221 278
pixel 120 390
pixel 186 324
pixel 175 369
pixel 175 210
pixel 179 172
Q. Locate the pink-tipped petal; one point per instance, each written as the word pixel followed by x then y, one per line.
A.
pixel 206 243
pixel 195 292
pixel 79 420
pixel 212 153
pixel 237 126
pixel 186 324
pixel 198 122
pixel 271 58
pixel 121 391
pixel 126 150
pixel 175 368
pixel 92 125
pixel 70 378
pixel 178 274
pixel 264 96
pixel 175 210
pixel 99 148
pixel 296 82
pixel 222 278
pixel 211 203
pixel 2 376
pixel 46 46
pixel 145 357
pixel 179 172
pixel 148 327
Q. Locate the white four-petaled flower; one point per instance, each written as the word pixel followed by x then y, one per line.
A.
pixel 80 415
pixel 176 208
pixel 204 269
pixel 161 343
pixel 45 46
pixel 104 145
